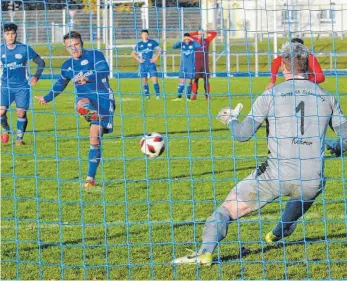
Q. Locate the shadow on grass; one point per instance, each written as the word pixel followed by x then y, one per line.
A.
pixel 310 240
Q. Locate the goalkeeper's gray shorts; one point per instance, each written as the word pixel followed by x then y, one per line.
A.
pixel 262 187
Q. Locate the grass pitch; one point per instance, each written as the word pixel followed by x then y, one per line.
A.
pixel 145 212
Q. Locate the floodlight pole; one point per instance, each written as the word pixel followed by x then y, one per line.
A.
pixel 256 40
pixel 164 39
pixel 111 39
pixel 98 24
pixel 275 28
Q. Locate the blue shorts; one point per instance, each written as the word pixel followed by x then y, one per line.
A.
pixel 186 74
pixel 20 95
pixel 148 68
pixel 105 105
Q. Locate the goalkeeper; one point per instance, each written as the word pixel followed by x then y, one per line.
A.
pixel 89 72
pixel 298 114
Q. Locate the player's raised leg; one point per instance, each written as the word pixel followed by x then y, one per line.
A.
pixel 4 124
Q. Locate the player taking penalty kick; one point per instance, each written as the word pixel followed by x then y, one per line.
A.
pixel 298 114
pixel 94 101
pixel 15 58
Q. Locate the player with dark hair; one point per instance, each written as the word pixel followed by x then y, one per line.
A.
pixel 15 86
pixel 297 113
pixel 147 52
pixel 315 73
pixel 89 72
pixel 187 66
pixel 202 69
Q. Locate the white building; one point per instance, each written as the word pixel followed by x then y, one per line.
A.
pixel 266 17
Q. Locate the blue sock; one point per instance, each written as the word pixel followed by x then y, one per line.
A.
pixel 21 127
pixel 146 89
pixel 180 90
pixel 292 212
pixel 156 89
pixel 189 91
pixel 94 160
pixel 4 123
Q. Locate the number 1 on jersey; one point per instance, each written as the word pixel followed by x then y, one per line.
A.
pixel 301 107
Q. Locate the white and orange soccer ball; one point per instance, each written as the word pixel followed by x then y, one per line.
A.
pixel 152 144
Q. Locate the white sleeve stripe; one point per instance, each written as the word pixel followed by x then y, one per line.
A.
pixel 100 61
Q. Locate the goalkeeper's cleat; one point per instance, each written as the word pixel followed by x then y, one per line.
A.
pixel 195 258
pixel 4 137
pixel 148 97
pixel 89 183
pixel 158 97
pixel 194 96
pixel 189 100
pixel 207 97
pixel 271 238
pixel 177 99
pixel 20 142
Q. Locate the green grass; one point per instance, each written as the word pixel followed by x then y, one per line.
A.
pixel 144 212
pixel 246 62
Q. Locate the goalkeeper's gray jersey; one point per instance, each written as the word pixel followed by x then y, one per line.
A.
pixel 298 113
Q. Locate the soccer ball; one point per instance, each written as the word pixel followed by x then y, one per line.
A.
pixel 152 144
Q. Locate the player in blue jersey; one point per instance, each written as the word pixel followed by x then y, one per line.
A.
pixel 89 72
pixel 147 52
pixel 15 86
pixel 187 66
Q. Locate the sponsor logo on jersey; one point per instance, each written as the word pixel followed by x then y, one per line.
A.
pixel 18 56
pixel 150 45
pixel 84 62
pixel 13 65
pixel 3 56
pixel 81 74
pixel 69 69
pixel 190 47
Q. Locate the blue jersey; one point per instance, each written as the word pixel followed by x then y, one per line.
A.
pixel 93 66
pixel 187 55
pixel 15 63
pixel 145 50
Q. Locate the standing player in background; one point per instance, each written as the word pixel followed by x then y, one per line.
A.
pixel 15 58
pixel 202 69
pixel 147 52
pixel 89 72
pixel 298 114
pixel 187 67
pixel 315 73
